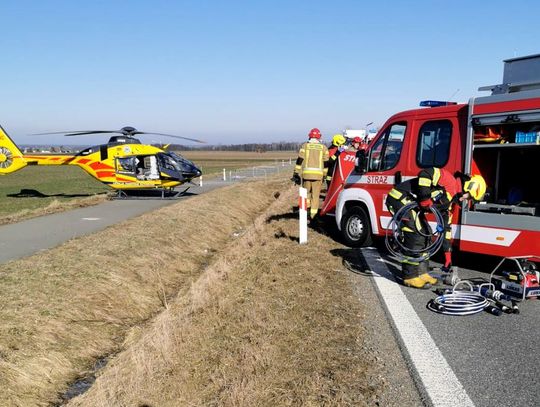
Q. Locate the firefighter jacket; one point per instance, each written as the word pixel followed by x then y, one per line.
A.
pixel 435 183
pixel 333 153
pixel 312 162
pixel 439 185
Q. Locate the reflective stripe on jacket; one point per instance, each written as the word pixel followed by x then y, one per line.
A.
pixel 311 164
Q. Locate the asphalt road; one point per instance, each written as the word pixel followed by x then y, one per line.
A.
pixel 25 238
pixel 495 358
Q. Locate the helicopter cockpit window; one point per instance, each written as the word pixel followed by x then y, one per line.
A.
pixel 168 162
pixel 187 166
pixel 126 165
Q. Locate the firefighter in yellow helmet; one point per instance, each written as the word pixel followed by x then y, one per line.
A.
pixel 311 169
pixel 433 187
pixel 334 151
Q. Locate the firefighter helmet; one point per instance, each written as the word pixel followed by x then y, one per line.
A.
pixel 338 140
pixel 476 187
pixel 314 133
pixel 357 140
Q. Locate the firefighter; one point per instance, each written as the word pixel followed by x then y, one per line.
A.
pixel 334 151
pixel 357 144
pixel 433 187
pixel 311 168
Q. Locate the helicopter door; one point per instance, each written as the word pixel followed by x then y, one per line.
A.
pixel 145 167
pixel 149 167
pixel 126 166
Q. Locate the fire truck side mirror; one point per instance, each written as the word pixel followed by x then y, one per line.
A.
pixel 361 161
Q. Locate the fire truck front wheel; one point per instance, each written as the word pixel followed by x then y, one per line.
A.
pixel 355 227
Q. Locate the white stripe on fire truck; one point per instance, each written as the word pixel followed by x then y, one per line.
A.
pixel 477 234
pixel 498 237
pixel 374 179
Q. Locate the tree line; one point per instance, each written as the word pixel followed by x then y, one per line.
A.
pixel 251 147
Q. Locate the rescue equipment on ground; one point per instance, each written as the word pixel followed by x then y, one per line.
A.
pixel 513 280
pixel 468 298
pixel 517 277
pixel 434 238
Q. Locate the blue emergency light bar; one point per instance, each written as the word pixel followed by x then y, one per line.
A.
pixel 436 103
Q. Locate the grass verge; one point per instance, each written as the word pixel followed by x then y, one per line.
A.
pixel 270 323
pixel 224 310
pixel 63 308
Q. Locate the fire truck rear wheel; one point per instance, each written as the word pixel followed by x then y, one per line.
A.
pixel 356 228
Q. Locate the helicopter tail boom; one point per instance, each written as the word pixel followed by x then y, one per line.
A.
pixel 11 158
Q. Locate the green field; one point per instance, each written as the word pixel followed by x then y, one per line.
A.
pixel 213 162
pixel 36 190
pixel 37 187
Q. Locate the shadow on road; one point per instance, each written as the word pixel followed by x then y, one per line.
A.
pixel 33 193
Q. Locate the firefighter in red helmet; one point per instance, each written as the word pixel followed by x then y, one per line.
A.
pixel 358 144
pixel 311 169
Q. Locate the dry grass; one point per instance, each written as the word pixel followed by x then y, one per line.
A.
pixel 267 324
pixel 63 308
pixel 227 310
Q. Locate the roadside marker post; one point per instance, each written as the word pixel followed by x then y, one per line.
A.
pixel 302 211
pixel 224 175
pixel 200 181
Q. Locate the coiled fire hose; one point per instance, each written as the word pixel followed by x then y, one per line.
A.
pixel 394 239
pixel 459 302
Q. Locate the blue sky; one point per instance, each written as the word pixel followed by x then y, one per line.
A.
pixel 246 71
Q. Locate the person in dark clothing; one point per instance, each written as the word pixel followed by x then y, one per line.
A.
pixel 433 187
pixel 334 151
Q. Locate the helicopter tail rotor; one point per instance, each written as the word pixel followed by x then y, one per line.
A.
pixel 11 158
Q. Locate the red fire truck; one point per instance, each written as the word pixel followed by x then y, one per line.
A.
pixel 497 136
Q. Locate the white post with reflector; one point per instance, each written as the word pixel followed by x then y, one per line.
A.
pixel 302 211
pixel 224 175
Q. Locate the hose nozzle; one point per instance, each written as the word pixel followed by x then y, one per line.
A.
pixel 451 278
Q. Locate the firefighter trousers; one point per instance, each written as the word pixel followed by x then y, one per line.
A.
pixel 413 225
pixel 313 192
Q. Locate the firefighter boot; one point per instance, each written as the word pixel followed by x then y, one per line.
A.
pixel 410 272
pixel 428 279
pixel 416 282
pixel 423 269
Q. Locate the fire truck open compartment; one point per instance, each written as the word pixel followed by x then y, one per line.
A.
pixel 505 145
pixel 510 169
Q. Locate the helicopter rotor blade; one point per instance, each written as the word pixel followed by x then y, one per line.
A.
pixel 170 135
pixel 73 133
pixel 84 133
pixel 126 131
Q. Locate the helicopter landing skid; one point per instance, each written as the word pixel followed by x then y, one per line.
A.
pixel 150 194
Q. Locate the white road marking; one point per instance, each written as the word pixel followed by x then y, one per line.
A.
pixel 90 218
pixel 439 381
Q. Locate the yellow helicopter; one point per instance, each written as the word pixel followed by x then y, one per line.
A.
pixel 124 163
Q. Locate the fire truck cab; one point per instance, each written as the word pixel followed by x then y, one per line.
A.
pixel 497 136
